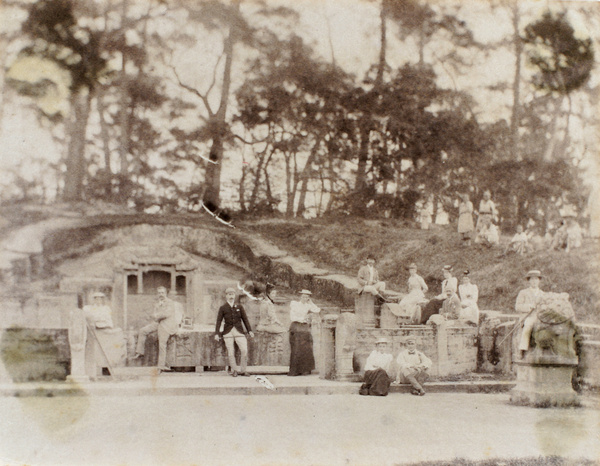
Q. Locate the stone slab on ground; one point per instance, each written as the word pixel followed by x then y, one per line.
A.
pixel 150 382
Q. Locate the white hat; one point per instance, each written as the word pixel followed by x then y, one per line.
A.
pixel 98 294
pixel 305 292
pixel 381 340
pixel 230 290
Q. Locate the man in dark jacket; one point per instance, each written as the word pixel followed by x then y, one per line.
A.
pixel 235 319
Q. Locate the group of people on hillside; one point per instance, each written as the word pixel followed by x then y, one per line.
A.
pixel 568 235
pixel 455 302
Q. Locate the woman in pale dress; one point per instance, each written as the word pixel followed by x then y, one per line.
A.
pixel 268 321
pixel 465 219
pixel 469 294
pixel 409 305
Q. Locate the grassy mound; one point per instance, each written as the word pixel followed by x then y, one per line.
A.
pixel 342 245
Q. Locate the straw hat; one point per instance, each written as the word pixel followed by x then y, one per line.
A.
pixel 382 340
pixel 98 294
pixel 533 273
pixel 305 292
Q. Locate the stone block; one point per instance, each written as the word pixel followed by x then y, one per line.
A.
pixel 12 314
pixel 589 363
pixel 365 310
pixel 541 385
pixel 54 310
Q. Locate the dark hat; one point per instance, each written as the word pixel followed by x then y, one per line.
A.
pixel 447 267
pixel 466 273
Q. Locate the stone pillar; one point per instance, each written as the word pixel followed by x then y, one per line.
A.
pixel 441 339
pixel 365 310
pixel 77 341
pixel 544 384
pixel 345 343
pixel 326 361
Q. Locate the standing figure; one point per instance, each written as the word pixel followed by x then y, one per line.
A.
pixel 435 304
pixel 368 279
pixel 268 321
pixel 412 367
pixel 527 300
pixel 167 317
pixel 469 294
pixel 574 234
pixel 234 316
pixel 98 313
pixel 106 343
pixel 409 305
pixel 465 219
pixel 377 380
pixel 487 211
pixel 302 359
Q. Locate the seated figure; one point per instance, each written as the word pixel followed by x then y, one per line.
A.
pixel 105 341
pixel 377 380
pixel 413 367
pixel 469 294
pixel 434 305
pixel 167 316
pixel 410 304
pixel 368 279
pixel 488 235
pixel 451 306
pixel 519 243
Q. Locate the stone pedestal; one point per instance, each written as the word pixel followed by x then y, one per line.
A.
pixel 326 361
pixel 345 343
pixel 544 384
pixel 77 342
pixel 365 310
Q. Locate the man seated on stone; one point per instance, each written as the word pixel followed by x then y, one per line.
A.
pixel 434 305
pixel 526 303
pixel 412 367
pixel 368 279
pixel 451 305
pixel 377 368
pixel 234 316
pixel 167 316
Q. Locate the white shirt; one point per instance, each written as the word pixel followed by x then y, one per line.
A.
pixel 371 273
pixel 299 311
pixel 407 361
pixel 449 283
pixel 378 360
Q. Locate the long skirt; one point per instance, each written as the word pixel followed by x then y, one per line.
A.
pixel 376 383
pixel 431 308
pixel 302 360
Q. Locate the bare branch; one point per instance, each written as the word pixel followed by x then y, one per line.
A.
pixel 194 91
pixel 214 77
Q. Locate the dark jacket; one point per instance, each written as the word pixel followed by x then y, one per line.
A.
pixel 233 317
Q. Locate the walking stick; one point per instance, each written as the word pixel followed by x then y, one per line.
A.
pixel 516 326
pixel 108 365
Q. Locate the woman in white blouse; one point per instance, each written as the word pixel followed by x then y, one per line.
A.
pixel 469 294
pixel 409 305
pixel 302 360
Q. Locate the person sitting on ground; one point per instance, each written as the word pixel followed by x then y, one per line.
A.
pixel 377 368
pixel 559 240
pixel 412 367
pixel 488 235
pixel 234 316
pixel 465 219
pixel 451 305
pixel 469 294
pixel 167 315
pixel 268 321
pixel 409 305
pixel 434 305
pixel 368 279
pixel 574 235
pixel 519 243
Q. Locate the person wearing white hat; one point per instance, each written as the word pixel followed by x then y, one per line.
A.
pixel 376 379
pixel 469 294
pixel 167 315
pixel 412 367
pixel 234 316
pixel 527 300
pixel 302 360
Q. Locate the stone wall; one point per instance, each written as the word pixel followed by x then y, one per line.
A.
pixel 452 349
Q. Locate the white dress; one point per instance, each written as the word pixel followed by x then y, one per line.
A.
pixel 469 294
pixel 409 305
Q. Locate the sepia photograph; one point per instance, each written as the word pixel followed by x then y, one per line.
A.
pixel 300 232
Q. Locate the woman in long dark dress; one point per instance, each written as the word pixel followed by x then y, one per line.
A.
pixel 302 360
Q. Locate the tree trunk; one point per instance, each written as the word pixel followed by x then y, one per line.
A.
pixel 304 178
pixel 213 170
pixel 382 46
pixel 105 136
pixel 549 150
pixel 76 163
pixel 514 121
pixel 124 113
pixel 363 158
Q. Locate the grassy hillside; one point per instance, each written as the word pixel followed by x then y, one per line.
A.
pixel 342 246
